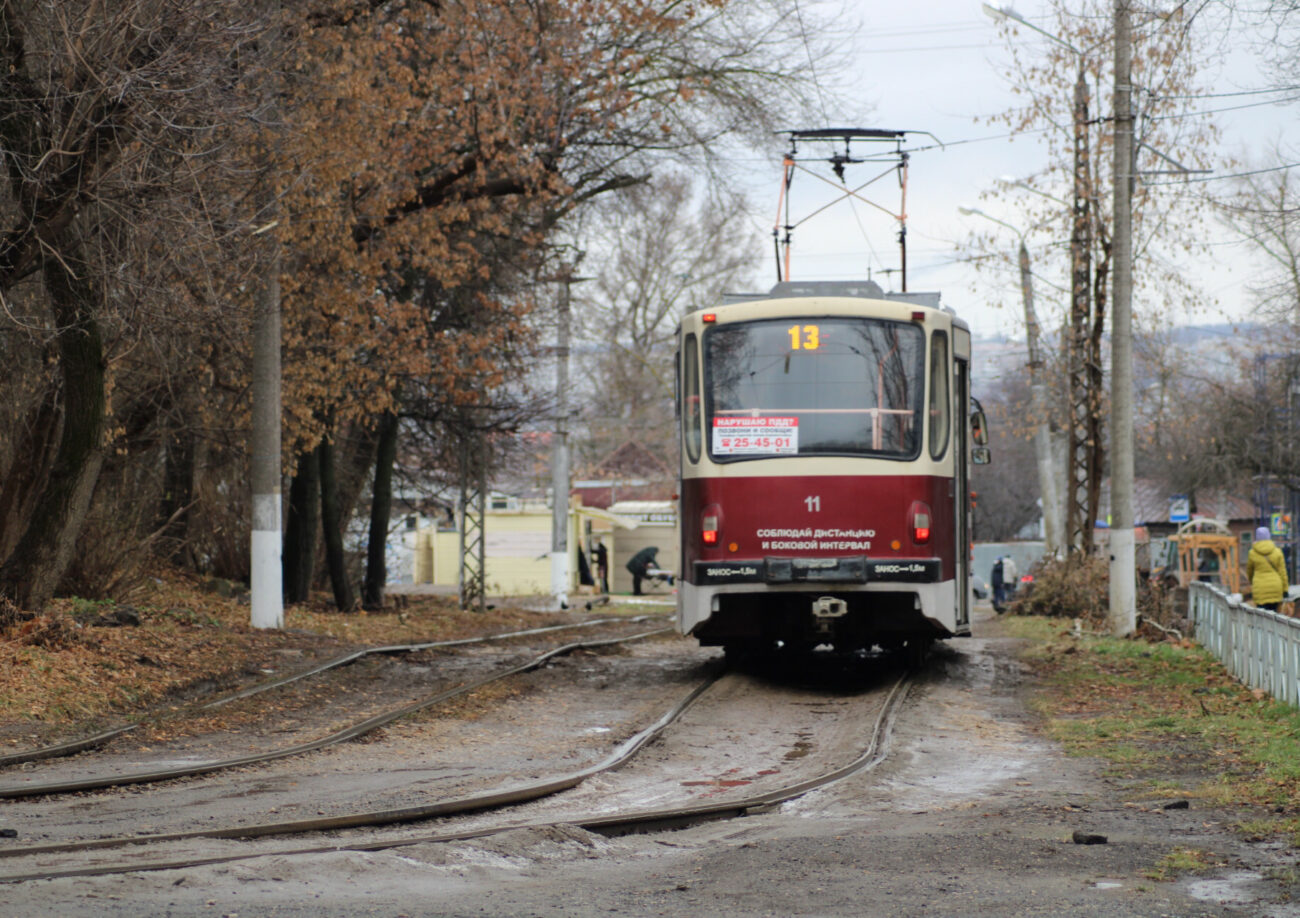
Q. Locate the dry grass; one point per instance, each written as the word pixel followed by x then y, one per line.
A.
pixel 67 671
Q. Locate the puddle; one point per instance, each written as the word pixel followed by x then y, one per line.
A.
pixel 1233 889
pixel 1107 884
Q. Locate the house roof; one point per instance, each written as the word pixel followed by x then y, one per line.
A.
pixel 630 460
pixel 1151 503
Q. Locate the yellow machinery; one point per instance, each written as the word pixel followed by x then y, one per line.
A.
pixel 1208 549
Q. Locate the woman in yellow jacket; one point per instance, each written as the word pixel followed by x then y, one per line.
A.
pixel 1266 570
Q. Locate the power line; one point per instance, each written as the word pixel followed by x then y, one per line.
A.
pixel 1215 178
pixel 812 67
pixel 969 26
pixel 1215 111
pixel 1226 95
pixel 957 143
pixel 983 45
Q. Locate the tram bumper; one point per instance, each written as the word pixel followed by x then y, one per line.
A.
pixel 849 602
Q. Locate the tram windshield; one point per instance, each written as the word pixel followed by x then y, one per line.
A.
pixel 814 386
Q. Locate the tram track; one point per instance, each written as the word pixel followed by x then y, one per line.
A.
pixel 346 734
pixel 102 738
pixel 621 822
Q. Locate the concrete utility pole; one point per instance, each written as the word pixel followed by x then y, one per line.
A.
pixel 267 575
pixel 1123 562
pixel 560 453
pixel 1043 409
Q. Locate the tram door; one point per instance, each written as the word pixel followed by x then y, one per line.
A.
pixel 961 480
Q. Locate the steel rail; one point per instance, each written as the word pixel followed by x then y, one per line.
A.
pixel 451 807
pixel 348 733
pixel 608 824
pixel 72 747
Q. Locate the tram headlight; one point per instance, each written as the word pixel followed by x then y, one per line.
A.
pixel 920 515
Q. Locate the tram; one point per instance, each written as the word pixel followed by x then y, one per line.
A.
pixel 825 450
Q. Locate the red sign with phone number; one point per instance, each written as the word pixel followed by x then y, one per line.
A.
pixel 761 436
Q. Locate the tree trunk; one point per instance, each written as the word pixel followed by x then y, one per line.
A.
pixel 381 508
pixel 332 523
pixel 301 527
pixel 354 469
pixel 28 474
pixel 178 491
pixel 31 575
pixel 354 460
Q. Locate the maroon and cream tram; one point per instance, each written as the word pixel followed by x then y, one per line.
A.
pixel 824 492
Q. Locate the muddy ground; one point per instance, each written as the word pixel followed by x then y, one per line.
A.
pixel 972 812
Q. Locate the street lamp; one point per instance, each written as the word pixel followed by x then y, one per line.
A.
pixel 1012 182
pixel 1038 390
pixel 1003 13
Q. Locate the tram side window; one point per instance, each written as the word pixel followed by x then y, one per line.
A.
pixel 691 399
pixel 940 415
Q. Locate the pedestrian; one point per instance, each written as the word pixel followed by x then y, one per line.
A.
pixel 600 554
pixel 643 565
pixel 999 587
pixel 1266 571
pixel 1010 576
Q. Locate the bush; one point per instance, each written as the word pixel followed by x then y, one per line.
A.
pixel 1078 586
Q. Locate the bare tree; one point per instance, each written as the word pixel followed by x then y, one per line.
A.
pixel 661 250
pixel 1006 492
pixel 110 114
pixel 1064 95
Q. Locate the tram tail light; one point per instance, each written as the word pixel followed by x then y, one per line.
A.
pixel 920 515
pixel 711 524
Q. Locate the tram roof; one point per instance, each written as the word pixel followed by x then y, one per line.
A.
pixel 867 289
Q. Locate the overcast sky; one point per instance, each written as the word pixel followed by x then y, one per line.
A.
pixel 934 67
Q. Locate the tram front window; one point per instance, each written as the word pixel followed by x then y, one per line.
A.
pixel 814 386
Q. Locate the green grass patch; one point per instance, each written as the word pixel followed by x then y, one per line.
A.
pixel 1170 720
pixel 1177 862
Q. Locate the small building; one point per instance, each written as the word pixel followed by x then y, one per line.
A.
pixel 656 525
pixel 517 545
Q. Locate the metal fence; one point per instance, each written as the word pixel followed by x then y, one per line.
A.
pixel 1259 647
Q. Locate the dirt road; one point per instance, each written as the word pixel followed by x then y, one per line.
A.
pixel 972 812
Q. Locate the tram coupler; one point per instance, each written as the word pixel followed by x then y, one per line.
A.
pixel 825 609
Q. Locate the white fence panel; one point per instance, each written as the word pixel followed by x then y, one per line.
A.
pixel 1260 648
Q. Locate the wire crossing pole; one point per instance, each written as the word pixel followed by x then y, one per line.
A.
pixel 1081 510
pixel 1123 563
pixel 472 508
